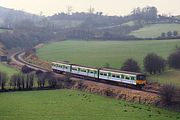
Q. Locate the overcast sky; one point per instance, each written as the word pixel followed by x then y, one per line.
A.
pixel 110 7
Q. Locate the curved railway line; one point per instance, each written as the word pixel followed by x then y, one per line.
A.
pixel 17 57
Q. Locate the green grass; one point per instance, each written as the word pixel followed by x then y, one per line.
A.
pixel 168 77
pixel 155 30
pixel 130 23
pixel 74 105
pixel 98 53
pixel 9 70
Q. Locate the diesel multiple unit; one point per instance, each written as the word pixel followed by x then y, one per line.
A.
pixel 131 78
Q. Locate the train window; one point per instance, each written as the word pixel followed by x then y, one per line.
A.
pixel 113 75
pixel 105 74
pixel 122 76
pixel 74 69
pixel 127 77
pixel 141 77
pixel 101 73
pixel 117 76
pixel 132 78
pixel 83 70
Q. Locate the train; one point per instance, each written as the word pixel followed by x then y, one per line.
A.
pixel 106 74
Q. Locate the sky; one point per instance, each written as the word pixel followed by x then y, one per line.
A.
pixel 108 7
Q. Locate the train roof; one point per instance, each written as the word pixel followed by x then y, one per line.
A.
pixel 120 71
pixel 105 69
pixel 84 66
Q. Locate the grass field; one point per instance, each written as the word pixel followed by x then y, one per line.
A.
pixel 155 30
pixel 97 53
pixel 168 77
pixel 10 71
pixel 75 105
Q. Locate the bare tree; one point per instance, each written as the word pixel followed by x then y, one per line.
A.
pixel 69 10
pixel 3 80
pixel 167 93
pixel 91 10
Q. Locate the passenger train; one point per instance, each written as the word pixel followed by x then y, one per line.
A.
pixel 125 77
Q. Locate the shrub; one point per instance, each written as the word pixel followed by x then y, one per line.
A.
pixel 174 59
pixel 154 63
pixel 167 93
pixel 25 69
pixel 130 65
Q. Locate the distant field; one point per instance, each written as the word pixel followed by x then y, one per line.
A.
pixel 130 23
pixel 10 71
pixel 74 105
pixel 155 30
pixel 97 53
pixel 168 77
pixel 67 23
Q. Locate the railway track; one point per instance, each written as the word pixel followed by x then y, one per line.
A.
pixel 18 58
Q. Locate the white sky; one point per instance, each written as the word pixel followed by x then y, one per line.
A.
pixel 110 7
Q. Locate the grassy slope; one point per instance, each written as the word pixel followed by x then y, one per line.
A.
pixel 130 23
pixel 155 30
pixel 71 105
pixel 10 71
pixel 169 77
pixel 98 53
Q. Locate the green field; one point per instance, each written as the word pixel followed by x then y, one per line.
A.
pixel 97 53
pixel 10 71
pixel 155 30
pixel 130 23
pixel 75 105
pixel 168 77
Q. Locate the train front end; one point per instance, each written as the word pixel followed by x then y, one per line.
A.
pixel 141 80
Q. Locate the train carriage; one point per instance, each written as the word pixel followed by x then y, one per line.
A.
pixel 61 67
pixel 84 70
pixel 131 78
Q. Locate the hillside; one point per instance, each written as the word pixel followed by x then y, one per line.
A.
pixel 155 30
pixel 9 17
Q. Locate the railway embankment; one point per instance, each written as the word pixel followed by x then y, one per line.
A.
pixel 104 89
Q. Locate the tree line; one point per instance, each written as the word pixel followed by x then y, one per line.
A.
pixel 29 79
pixel 169 34
pixel 152 63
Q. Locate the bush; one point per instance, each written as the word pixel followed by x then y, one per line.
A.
pixel 167 93
pixel 163 34
pixel 25 69
pixel 175 33
pixel 154 63
pixel 130 65
pixel 174 59
pixel 169 34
